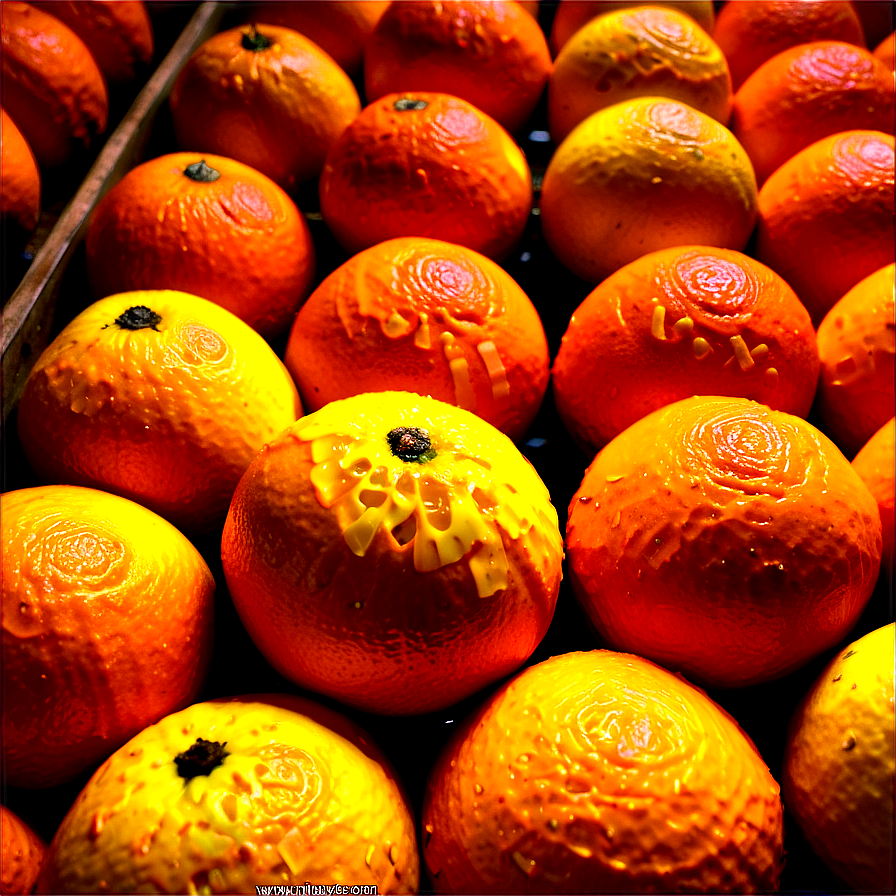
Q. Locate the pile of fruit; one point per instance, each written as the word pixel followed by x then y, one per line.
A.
pixel 471 466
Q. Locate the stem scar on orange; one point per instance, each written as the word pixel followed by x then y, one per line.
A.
pixel 394 552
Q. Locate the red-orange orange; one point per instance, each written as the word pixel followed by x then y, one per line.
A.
pixel 886 51
pixel 21 853
pixel 20 185
pixel 876 465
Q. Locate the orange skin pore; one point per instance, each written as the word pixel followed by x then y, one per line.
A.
pixel 20 185
pixel 876 465
pixel 723 540
pixel 21 854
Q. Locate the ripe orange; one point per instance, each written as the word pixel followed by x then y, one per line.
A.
pixel 876 465
pixel 571 15
pixel 21 854
pixel 809 92
pixel 205 225
pixel 423 316
pixel 685 321
pixel 491 53
pixel 600 772
pixel 426 165
pixel 117 32
pixel 751 32
pixel 885 51
pixel 159 396
pixel 20 184
pixel 394 552
pixel 268 97
pixel 340 28
pixel 857 347
pixel 826 216
pixel 723 539
pixel 52 86
pixel 646 51
pixel 644 175
pixel 232 795
pixel 107 626
pixel 839 773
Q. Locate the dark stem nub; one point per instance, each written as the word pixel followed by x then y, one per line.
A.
pixel 202 173
pixel 200 759
pixel 411 444
pixel 406 104
pixel 139 317
pixel 252 40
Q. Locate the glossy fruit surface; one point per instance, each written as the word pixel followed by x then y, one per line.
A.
pixel 684 321
pixel 21 854
pixel 876 465
pixel 423 316
pixel 209 226
pixel 427 165
pixel 20 185
pixel 394 552
pixel 159 396
pixel 107 626
pixel 600 772
pixel 266 96
pixel 233 794
pixel 839 771
pixel 886 51
pixel 643 175
pixel 724 540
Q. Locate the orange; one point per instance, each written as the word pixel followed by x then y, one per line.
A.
pixel 159 396
pixel 809 92
pixel 340 28
pixel 52 86
pixel 571 15
pixel 751 32
pixel 644 175
pixel 107 626
pixel 423 316
pixel 205 225
pixel 491 53
pixel 394 552
pixel 724 540
pixel 685 321
pixel 426 165
pixel 117 32
pixel 646 51
pixel 230 795
pixel 826 216
pixel 857 347
pixel 266 96
pixel 600 772
pixel 19 178
pixel 885 51
pixel 21 854
pixel 876 465
pixel 839 773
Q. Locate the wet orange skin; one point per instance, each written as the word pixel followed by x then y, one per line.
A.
pixel 21 854
pixel 21 184
pixel 876 465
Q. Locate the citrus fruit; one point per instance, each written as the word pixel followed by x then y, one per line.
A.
pixel 643 175
pixel 107 626
pixel 723 539
pixel 340 28
pixel 394 552
pixel 876 465
pixel 571 15
pixel 806 93
pixel 685 321
pixel 426 165
pixel 491 53
pixel 885 51
pixel 21 854
pixel 857 348
pixel 423 316
pixel 600 772
pixel 826 216
pixel 839 772
pixel 52 87
pixel 266 96
pixel 209 226
pixel 645 51
pixel 230 795
pixel 159 396
pixel 751 32
pixel 117 32
pixel 20 185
